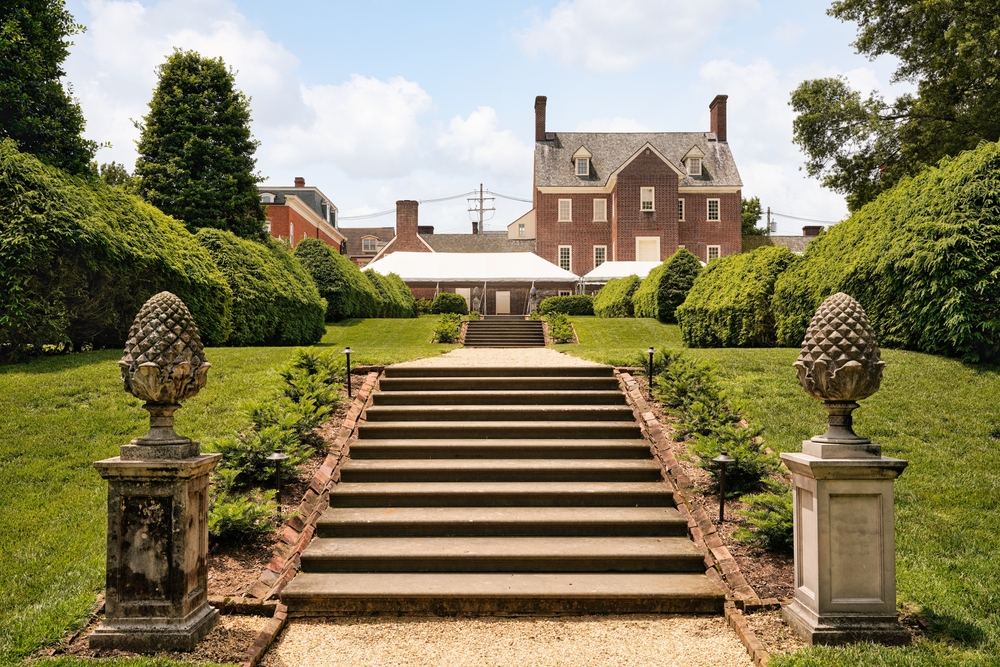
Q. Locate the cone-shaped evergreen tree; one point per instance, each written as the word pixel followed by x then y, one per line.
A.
pixel 196 153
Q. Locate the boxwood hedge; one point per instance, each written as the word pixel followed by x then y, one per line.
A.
pixel 666 287
pixel 576 304
pixel 729 304
pixel 395 298
pixel 449 302
pixel 346 290
pixel 615 298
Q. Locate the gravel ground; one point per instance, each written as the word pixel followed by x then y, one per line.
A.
pixel 594 641
pixel 501 356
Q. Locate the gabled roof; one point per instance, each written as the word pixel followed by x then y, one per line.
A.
pixel 472 267
pixel 477 243
pixel 611 150
pixel 355 234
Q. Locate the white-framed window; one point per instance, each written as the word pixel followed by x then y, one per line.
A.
pixel 565 292
pixel 647 248
pixel 694 166
pixel 267 226
pixel 714 252
pixel 520 229
pixel 583 166
pixel 713 209
pixel 646 199
pixel 566 257
pixel 369 244
pixel 565 210
pixel 291 232
pixel 266 198
pixel 600 255
pixel 680 210
pixel 600 210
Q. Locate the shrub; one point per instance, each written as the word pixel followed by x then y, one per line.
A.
pixel 690 389
pixel 921 259
pixel 275 302
pixel 729 304
pixel 424 306
pixel 577 304
pixel 339 280
pixel 395 298
pixel 236 517
pixel 752 468
pixel 560 329
pixel 79 258
pixel 474 316
pixel 449 302
pixel 666 287
pixel 615 298
pixel 449 328
pixel 771 520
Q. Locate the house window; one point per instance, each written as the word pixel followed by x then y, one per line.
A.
pixel 713 209
pixel 582 166
pixel 600 210
pixel 565 292
pixel 694 166
pixel 714 252
pixel 565 210
pixel 680 210
pixel 566 257
pixel 266 198
pixel 520 230
pixel 600 255
pixel 646 199
pixel 267 226
pixel 368 245
pixel 291 233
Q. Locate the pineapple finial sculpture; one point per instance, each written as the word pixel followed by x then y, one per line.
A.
pixel 164 364
pixel 840 364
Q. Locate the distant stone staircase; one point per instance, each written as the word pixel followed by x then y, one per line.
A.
pixel 504 331
pixel 501 491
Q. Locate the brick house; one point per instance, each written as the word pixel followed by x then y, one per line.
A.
pixel 363 243
pixel 633 196
pixel 300 212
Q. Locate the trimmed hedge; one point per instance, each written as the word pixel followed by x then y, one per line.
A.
pixel 395 298
pixel 729 304
pixel 577 304
pixel 922 260
pixel 449 302
pixel 347 291
pixel 275 302
pixel 615 298
pixel 666 287
pixel 79 258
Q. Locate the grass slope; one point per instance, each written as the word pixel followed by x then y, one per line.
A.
pixel 386 341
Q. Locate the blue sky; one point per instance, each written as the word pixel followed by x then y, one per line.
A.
pixel 378 101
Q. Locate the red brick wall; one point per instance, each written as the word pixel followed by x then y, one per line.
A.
pixel 582 233
pixel 283 217
pixel 646 170
pixel 406 239
pixel 697 232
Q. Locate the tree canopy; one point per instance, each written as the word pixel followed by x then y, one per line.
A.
pixel 863 146
pixel 35 110
pixel 751 212
pixel 196 154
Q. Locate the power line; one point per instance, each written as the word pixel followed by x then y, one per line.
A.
pixel 793 217
pixel 497 194
pixel 460 195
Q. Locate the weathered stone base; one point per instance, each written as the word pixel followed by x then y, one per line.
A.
pixel 833 630
pixel 141 637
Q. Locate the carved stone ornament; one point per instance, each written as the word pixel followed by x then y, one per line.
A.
pixel 840 363
pixel 164 364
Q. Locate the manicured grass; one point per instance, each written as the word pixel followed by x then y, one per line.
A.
pixel 620 342
pixel 386 341
pixel 938 414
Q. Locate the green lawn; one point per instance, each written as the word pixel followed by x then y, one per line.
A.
pixel 386 341
pixel 940 415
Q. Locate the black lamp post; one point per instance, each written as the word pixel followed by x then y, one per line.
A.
pixel 347 353
pixel 277 457
pixel 650 352
pixel 723 459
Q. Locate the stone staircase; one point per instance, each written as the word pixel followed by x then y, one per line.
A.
pixel 504 331
pixel 500 491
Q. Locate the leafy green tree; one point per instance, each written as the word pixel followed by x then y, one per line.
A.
pixel 35 110
pixel 116 175
pixel 751 213
pixel 196 154
pixel 860 147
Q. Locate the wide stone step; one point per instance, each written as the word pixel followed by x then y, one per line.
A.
pixel 497 344
pixel 498 371
pixel 527 397
pixel 499 521
pixel 479 413
pixel 503 554
pixel 325 594
pixel 490 382
pixel 502 494
pixel 476 448
pixel 500 429
pixel 501 470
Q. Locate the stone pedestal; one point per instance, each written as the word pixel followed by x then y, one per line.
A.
pixel 845 571
pixel 157 567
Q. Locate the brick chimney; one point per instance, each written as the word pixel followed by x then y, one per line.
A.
pixel 406 218
pixel 300 182
pixel 540 117
pixel 717 110
pixel 811 230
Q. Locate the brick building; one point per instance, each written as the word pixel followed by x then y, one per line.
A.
pixel 633 196
pixel 363 243
pixel 300 212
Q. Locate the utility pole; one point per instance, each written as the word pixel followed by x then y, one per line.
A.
pixel 477 205
pixel 768 220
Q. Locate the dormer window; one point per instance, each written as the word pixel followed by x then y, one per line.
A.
pixel 694 166
pixel 368 244
pixel 266 198
pixel 583 166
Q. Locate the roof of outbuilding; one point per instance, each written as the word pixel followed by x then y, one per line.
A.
pixel 477 243
pixel 355 234
pixel 431 267
pixel 554 158
pixel 796 244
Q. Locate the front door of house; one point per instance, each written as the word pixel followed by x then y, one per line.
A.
pixel 465 293
pixel 503 303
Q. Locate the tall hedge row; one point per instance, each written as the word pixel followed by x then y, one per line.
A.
pixel 395 298
pixel 78 259
pixel 615 298
pixel 275 301
pixel 922 260
pixel 666 287
pixel 729 304
pixel 575 304
pixel 346 290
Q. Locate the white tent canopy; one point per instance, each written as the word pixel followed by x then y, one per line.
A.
pixel 450 267
pixel 609 270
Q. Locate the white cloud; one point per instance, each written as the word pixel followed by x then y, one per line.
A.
pixel 617 35
pixel 616 124
pixel 788 32
pixel 479 141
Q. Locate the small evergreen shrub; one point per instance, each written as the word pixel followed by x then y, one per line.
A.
pixel 615 298
pixel 238 517
pixel 424 306
pixel 347 291
pixel 576 304
pixel 752 468
pixel 729 304
pixel 449 328
pixel 449 302
pixel 474 316
pixel 666 287
pixel 771 520
pixel 560 329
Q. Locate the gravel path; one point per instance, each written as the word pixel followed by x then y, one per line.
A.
pixel 501 356
pixel 591 641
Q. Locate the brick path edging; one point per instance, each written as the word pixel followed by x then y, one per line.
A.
pixel 720 566
pixel 296 533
